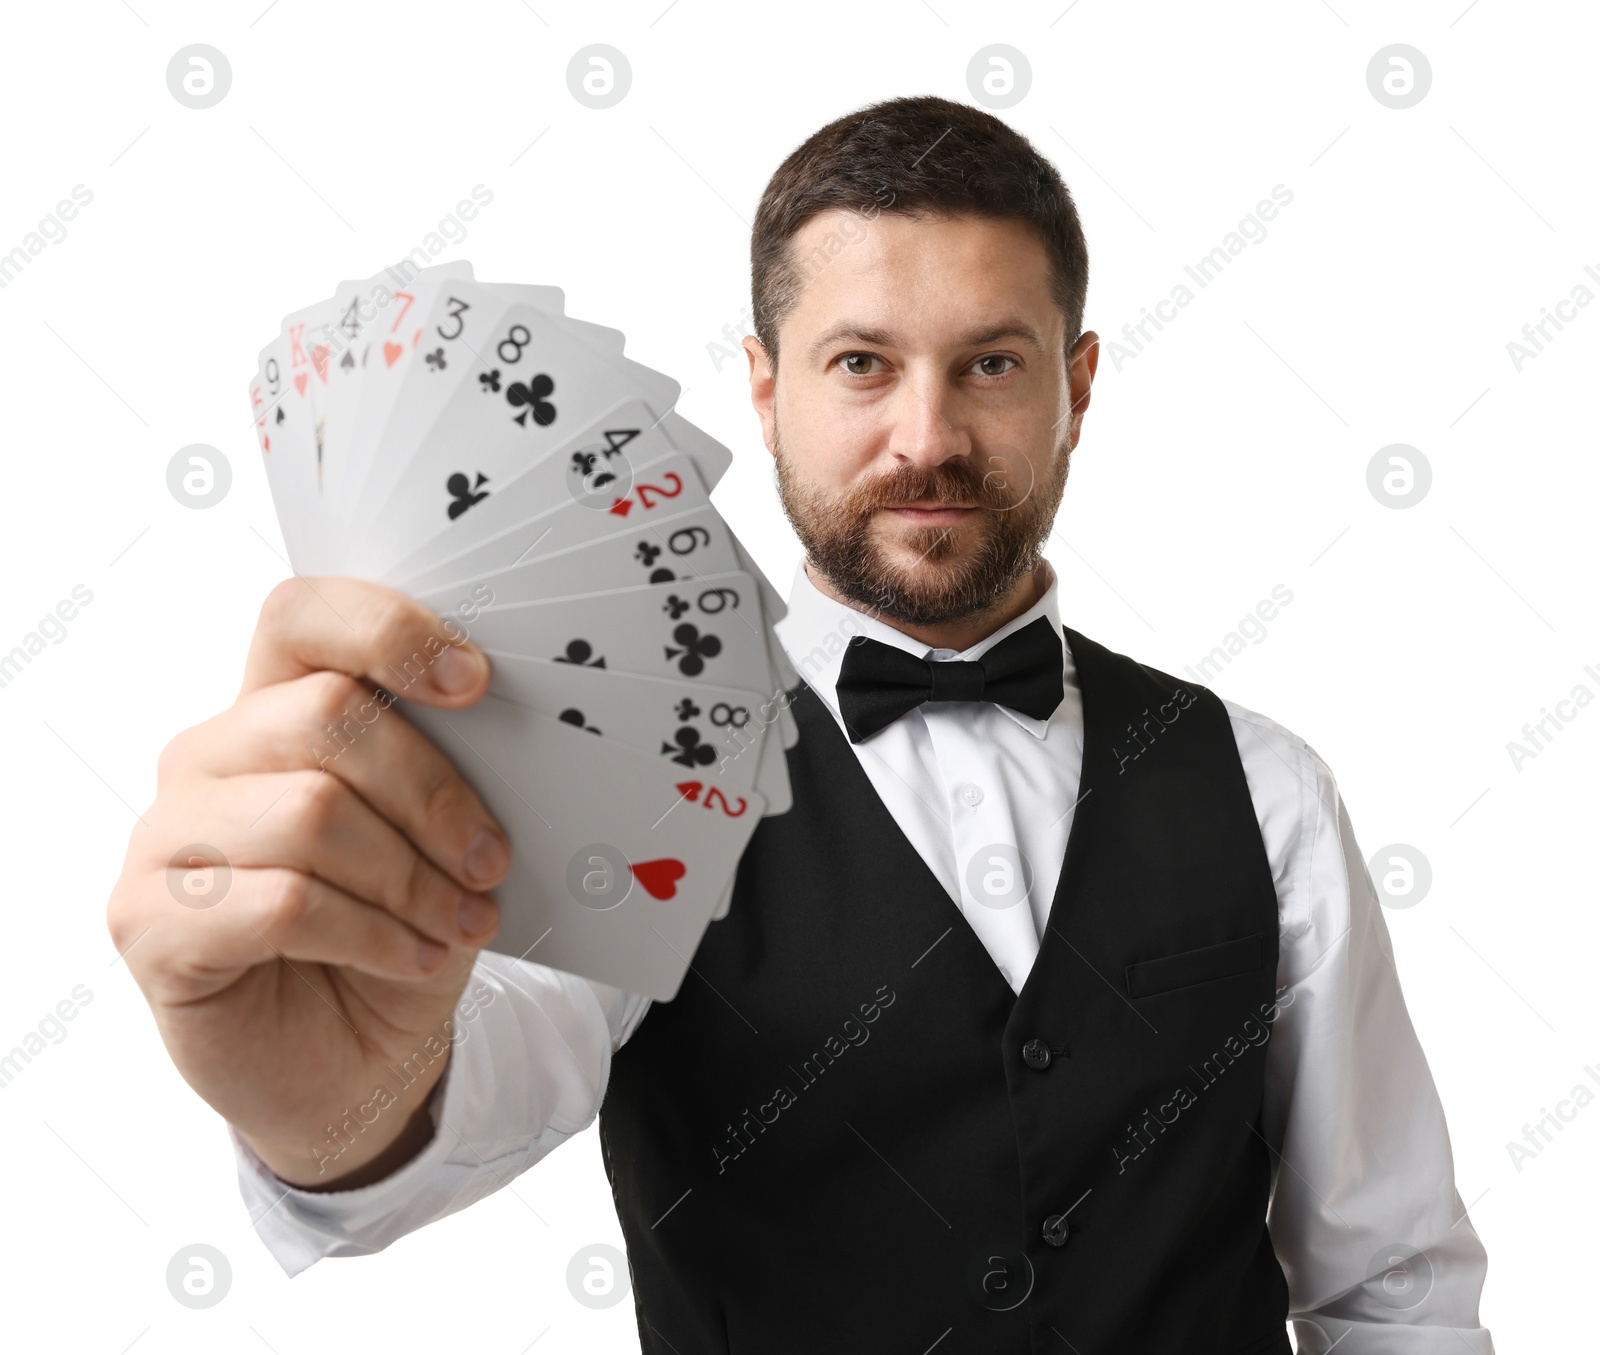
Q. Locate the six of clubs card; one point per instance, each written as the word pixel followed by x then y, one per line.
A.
pixel 471 445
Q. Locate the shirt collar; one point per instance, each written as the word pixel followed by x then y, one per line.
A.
pixel 817 628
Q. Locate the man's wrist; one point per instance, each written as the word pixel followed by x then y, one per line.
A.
pixel 363 1160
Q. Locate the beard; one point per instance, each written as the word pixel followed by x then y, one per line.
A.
pixel 960 571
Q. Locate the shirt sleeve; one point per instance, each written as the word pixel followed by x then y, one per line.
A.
pixel 528 1069
pixel 1365 1217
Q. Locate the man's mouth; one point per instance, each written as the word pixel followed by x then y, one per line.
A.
pixel 927 513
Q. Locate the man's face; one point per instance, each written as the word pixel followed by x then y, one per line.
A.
pixel 923 410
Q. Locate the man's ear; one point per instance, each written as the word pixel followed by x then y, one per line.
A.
pixel 1082 363
pixel 763 387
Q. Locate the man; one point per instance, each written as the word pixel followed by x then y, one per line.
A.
pixel 1057 1014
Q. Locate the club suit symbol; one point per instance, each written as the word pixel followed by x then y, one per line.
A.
pixel 533 394
pixel 596 474
pixel 647 553
pixel 697 648
pixel 464 493
pixel 687 750
pixel 580 652
pixel 588 468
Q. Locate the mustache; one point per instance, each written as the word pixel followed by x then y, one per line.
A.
pixel 959 482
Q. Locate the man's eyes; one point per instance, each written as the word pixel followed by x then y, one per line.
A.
pixel 860 364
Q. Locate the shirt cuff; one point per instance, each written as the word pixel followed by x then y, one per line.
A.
pixel 300 1227
pixel 1321 1335
pixel 530 1058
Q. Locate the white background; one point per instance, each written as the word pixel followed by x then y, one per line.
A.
pixel 1226 458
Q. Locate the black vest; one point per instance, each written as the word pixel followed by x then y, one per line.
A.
pixel 847 1133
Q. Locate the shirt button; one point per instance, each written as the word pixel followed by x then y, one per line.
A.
pixel 971 795
pixel 1036 1054
pixel 1055 1230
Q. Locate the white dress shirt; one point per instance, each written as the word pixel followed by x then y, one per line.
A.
pixel 1363 1170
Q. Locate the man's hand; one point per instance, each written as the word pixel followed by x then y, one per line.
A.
pixel 354 909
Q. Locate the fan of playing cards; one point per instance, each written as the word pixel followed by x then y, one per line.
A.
pixel 469 444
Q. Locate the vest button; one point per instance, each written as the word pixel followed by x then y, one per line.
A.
pixel 1036 1054
pixel 1055 1230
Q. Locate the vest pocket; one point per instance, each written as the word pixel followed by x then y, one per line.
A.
pixel 1187 967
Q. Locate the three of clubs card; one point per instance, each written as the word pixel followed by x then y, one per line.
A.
pixel 471 445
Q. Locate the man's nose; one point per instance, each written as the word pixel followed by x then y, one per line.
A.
pixel 928 429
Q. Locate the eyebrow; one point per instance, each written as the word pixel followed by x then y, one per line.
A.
pixel 1010 328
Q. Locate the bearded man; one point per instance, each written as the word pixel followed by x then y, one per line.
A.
pixel 1058 1014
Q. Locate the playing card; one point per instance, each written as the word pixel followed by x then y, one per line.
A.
pixel 705 449
pixel 309 333
pixel 445 340
pixel 464 338
pixel 716 733
pixel 285 453
pixel 611 340
pixel 533 384
pixel 774 610
pixel 381 321
pixel 592 469
pixel 710 629
pixel 622 896
pixel 681 548
pixel 304 510
pixel 358 305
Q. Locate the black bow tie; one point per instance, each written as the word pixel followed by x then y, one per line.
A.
pixel 879 683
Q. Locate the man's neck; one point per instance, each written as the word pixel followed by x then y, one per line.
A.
pixel 962 632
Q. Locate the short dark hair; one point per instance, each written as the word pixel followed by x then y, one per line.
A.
pixel 914 156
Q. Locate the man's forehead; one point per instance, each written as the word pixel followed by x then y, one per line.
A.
pixel 980 278
pixel 902 331
pixel 891 234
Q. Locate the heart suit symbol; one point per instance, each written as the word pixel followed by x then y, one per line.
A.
pixel 300 382
pixel 391 354
pixel 659 878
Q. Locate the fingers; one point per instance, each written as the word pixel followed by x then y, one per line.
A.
pixel 350 839
pixel 334 723
pixel 275 914
pixel 315 825
pixel 367 631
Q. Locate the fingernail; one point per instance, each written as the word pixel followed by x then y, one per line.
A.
pixel 474 914
pixel 456 671
pixel 430 952
pixel 488 856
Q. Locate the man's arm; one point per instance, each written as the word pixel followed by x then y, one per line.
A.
pixel 528 1070
pixel 1365 1217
